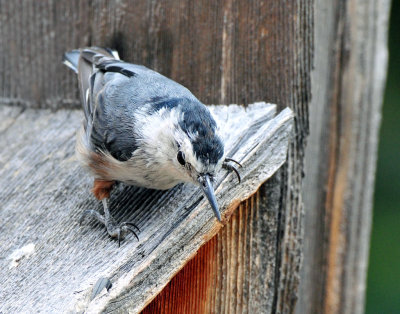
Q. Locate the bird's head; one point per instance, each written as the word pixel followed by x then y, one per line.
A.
pixel 182 144
pixel 199 150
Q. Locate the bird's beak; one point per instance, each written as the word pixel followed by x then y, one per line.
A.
pixel 208 190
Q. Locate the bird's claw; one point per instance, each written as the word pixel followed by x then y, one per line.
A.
pixel 233 160
pixel 114 230
pixel 124 228
pixel 229 167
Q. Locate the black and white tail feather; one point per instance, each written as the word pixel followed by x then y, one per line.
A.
pixel 71 58
pixel 93 59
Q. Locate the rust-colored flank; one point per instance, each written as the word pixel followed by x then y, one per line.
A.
pixel 102 189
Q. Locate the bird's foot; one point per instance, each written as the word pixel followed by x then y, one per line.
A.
pixel 230 167
pixel 113 229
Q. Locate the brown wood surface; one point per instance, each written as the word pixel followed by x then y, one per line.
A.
pixel 223 51
pixel 235 266
pixel 240 52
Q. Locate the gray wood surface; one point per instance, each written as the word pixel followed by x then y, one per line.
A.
pixel 44 192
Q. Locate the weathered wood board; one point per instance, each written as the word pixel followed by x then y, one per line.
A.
pixel 44 192
pixel 347 86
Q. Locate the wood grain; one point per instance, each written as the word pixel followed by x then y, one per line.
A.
pixel 341 154
pixel 227 272
pixel 44 192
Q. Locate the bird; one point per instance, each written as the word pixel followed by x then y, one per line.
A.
pixel 143 129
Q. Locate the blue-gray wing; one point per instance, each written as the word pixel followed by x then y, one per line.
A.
pixel 114 92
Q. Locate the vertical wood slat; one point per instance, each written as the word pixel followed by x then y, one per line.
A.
pixel 341 154
pixel 34 35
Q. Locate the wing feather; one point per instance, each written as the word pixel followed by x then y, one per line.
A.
pixel 112 91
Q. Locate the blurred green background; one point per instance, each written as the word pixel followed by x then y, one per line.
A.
pixel 383 290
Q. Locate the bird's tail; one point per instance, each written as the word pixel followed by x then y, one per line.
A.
pixel 83 63
pixel 71 58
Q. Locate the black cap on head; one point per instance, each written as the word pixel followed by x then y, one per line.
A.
pixel 197 120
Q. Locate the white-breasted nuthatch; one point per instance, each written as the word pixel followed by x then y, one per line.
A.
pixel 141 129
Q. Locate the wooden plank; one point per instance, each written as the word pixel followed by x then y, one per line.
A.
pixel 33 37
pixel 44 193
pixel 341 153
pixel 225 52
pixel 227 275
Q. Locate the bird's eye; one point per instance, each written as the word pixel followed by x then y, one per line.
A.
pixel 181 158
